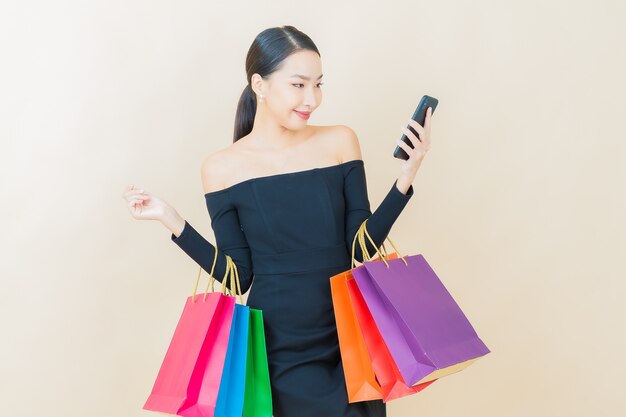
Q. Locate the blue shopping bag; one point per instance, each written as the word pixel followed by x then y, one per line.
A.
pixel 233 382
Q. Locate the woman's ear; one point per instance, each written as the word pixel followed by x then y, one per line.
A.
pixel 257 84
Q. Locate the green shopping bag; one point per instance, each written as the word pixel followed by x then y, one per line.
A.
pixel 258 395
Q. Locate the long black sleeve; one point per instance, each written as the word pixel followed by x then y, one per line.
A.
pixel 380 222
pixel 229 238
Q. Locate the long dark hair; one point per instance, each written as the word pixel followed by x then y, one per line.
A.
pixel 267 51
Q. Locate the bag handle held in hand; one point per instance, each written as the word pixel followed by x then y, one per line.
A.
pixel 364 250
pixel 363 231
pixel 231 271
pixel 362 243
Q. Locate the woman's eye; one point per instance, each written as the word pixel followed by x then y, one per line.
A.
pixel 319 84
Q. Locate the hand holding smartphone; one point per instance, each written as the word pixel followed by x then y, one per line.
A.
pixel 419 115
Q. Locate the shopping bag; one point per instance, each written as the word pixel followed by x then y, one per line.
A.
pixel 198 347
pixel 204 386
pixel 427 334
pixel 258 393
pixel 388 376
pixel 232 385
pixel 391 381
pixel 361 383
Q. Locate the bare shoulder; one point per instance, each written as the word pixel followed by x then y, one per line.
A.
pixel 346 142
pixel 214 168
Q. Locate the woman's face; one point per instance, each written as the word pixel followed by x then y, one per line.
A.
pixel 294 88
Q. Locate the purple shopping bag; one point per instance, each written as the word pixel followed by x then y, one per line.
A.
pixel 428 335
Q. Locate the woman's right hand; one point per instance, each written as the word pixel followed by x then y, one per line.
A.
pixel 143 205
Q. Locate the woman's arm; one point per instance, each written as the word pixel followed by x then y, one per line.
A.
pixel 173 221
pixel 380 222
pixel 229 238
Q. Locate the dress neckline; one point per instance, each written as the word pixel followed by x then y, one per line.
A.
pixel 283 174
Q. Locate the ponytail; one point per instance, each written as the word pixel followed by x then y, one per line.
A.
pixel 244 117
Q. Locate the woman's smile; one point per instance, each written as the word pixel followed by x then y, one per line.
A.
pixel 303 115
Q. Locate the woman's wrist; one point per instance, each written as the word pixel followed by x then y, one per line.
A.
pixel 173 221
pixel 403 183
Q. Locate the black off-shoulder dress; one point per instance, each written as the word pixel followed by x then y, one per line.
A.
pixel 288 234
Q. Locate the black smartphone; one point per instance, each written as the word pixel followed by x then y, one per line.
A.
pixel 419 115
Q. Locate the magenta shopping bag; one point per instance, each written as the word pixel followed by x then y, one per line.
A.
pixel 427 334
pixel 205 381
pixel 188 381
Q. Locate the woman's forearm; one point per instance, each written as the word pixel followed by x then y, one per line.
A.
pixel 173 221
pixel 403 183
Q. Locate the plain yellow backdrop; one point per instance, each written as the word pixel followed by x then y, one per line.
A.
pixel 519 205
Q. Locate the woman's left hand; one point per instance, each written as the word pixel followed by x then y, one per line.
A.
pixel 421 145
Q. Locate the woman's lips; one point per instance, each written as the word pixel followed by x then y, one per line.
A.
pixel 302 115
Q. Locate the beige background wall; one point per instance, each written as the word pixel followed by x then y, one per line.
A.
pixel 519 206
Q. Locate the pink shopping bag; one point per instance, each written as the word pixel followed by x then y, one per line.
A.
pixel 188 380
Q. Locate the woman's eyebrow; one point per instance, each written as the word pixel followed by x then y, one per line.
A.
pixel 305 77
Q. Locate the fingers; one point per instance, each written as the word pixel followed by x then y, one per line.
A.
pixel 131 190
pixel 422 131
pixel 405 146
pixel 414 139
pixel 429 114
pixel 417 127
pixel 139 198
pixel 427 123
pixel 137 201
pixel 136 198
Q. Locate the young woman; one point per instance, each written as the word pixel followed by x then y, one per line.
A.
pixel 285 201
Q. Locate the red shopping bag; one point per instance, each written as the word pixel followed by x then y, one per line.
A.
pixel 392 384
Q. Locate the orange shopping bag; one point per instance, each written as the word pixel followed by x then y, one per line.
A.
pixel 361 382
pixel 366 361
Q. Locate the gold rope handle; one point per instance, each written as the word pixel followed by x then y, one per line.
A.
pixel 390 241
pixel 231 273
pixel 211 279
pixel 364 250
pixel 235 284
pixel 384 249
pixel 238 282
pixel 228 275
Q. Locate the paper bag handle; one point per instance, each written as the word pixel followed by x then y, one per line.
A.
pixel 363 232
pixel 231 271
